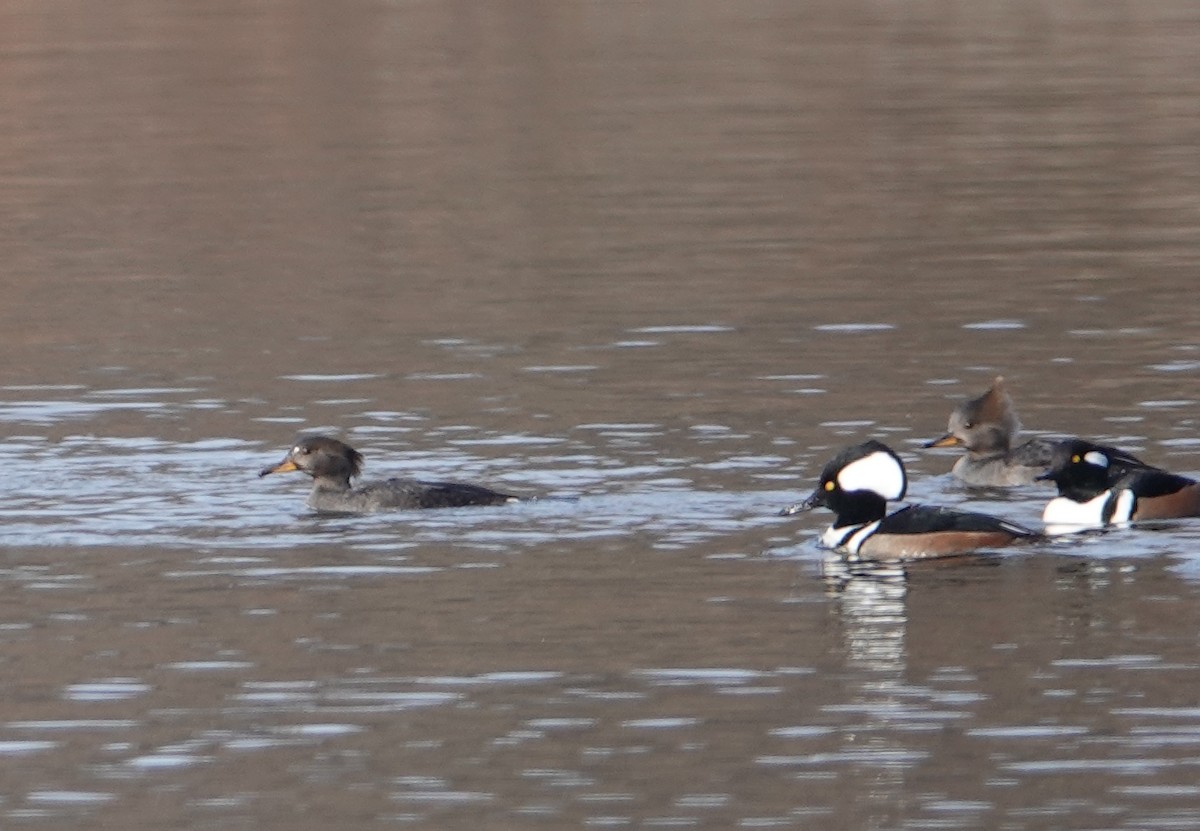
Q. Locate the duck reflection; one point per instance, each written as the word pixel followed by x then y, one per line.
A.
pixel 871 604
pixel 870 601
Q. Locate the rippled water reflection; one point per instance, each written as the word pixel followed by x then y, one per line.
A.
pixel 653 650
pixel 654 277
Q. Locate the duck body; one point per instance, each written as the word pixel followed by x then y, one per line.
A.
pixel 1096 489
pixel 987 426
pixel 332 464
pixel 401 494
pixel 1005 469
pixel 857 485
pixel 919 532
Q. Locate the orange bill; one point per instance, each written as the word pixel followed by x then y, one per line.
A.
pixel 286 466
pixel 948 440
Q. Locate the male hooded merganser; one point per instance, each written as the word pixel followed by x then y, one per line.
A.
pixel 857 484
pixel 1096 488
pixel 332 464
pixel 986 427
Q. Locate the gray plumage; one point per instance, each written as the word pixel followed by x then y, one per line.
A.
pixel 332 464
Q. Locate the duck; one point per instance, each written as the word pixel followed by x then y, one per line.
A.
pixel 1097 488
pixel 858 483
pixel 987 427
pixel 332 464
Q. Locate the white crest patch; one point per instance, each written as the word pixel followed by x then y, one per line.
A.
pixel 1095 457
pixel 879 472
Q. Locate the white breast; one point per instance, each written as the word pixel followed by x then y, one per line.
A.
pixel 848 538
pixel 1066 516
pixel 1126 505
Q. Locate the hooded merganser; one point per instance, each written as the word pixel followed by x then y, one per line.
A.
pixel 1097 488
pixel 857 484
pixel 332 464
pixel 986 427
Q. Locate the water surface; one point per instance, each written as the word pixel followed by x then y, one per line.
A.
pixel 654 263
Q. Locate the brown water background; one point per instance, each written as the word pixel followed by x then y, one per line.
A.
pixel 662 257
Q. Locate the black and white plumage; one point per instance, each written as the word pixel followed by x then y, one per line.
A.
pixel 332 464
pixel 857 485
pixel 1099 487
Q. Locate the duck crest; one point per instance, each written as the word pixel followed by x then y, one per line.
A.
pixel 878 470
pixel 995 406
pixel 356 462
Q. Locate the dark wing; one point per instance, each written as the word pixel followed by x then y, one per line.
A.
pixel 1037 453
pixel 1147 483
pixel 402 494
pixel 452 494
pixel 1122 463
pixel 928 519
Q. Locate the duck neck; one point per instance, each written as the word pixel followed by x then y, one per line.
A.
pixel 1081 491
pixel 859 508
pixel 331 484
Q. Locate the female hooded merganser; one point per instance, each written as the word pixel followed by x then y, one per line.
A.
pixel 857 484
pixel 332 464
pixel 1096 488
pixel 986 427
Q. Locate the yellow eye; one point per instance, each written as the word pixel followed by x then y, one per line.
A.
pixel 829 486
pixel 1076 459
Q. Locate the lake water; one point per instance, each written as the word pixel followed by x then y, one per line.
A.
pixel 660 259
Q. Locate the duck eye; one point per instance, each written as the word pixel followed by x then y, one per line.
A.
pixel 1076 459
pixel 301 450
pixel 970 425
pixel 830 486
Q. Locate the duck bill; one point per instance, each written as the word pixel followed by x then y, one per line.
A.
pixel 286 466
pixel 815 500
pixel 948 440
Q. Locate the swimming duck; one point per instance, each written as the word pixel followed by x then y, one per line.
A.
pixel 857 484
pixel 332 464
pixel 1097 488
pixel 986 426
